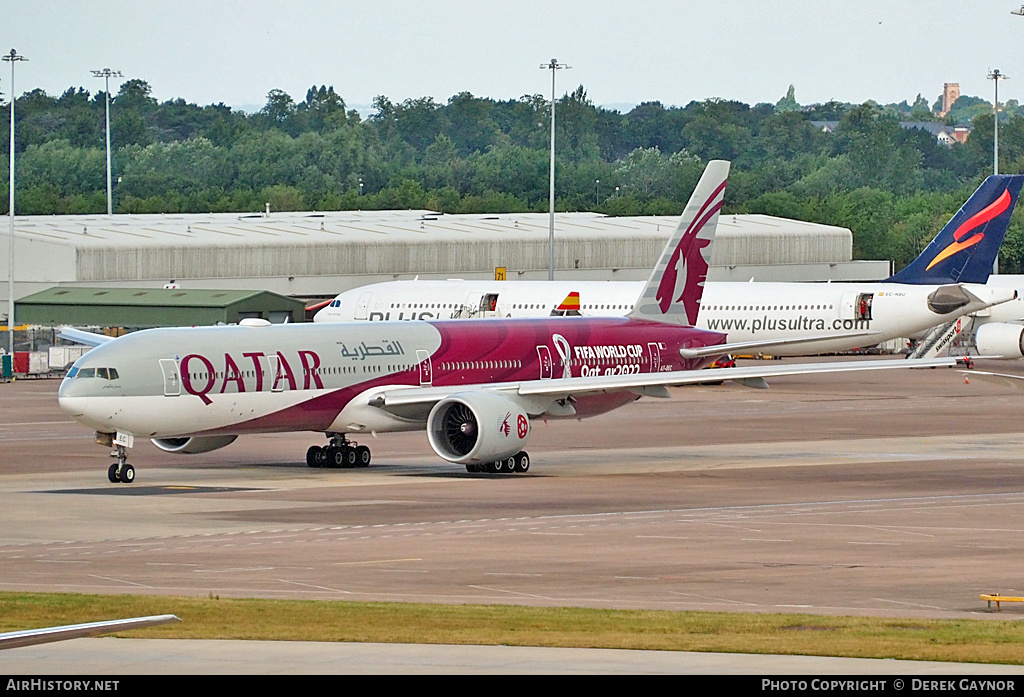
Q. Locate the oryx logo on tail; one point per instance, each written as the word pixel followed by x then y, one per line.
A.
pixel 688 262
pixel 673 292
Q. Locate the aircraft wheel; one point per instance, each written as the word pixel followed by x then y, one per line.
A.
pixel 363 455
pixel 320 457
pixel 351 457
pixel 112 474
pixel 522 462
pixel 127 474
pixel 338 457
pixel 510 464
pixel 472 468
pixel 311 455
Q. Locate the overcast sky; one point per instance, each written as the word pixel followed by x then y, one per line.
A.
pixel 623 53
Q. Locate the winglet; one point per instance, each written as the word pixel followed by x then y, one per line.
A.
pixel 965 249
pixel 673 292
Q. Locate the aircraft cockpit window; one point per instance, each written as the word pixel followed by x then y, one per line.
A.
pixel 104 373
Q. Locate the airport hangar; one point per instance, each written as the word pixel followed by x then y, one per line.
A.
pixel 316 255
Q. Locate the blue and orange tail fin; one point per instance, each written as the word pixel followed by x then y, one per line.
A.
pixel 673 292
pixel 965 250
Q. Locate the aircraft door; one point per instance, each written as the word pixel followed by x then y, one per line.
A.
pixel 655 351
pixel 846 305
pixel 856 305
pixel 363 305
pixel 277 376
pixel 489 305
pixel 863 307
pixel 172 379
pixel 544 356
pixel 426 373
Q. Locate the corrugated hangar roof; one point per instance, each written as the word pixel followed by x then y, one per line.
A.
pixel 319 254
pixel 219 229
pixel 145 247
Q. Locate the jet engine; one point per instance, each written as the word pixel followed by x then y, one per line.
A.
pixel 192 445
pixel 1001 339
pixel 477 427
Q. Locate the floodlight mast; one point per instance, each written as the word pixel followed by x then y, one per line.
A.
pixel 554 66
pixel 12 58
pixel 106 74
pixel 996 76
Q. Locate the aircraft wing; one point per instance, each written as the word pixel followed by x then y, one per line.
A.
pixel 83 337
pixel 538 393
pixel 721 349
pixel 1005 379
pixel 31 637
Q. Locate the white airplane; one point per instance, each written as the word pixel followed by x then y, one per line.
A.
pixel 473 385
pixel 843 316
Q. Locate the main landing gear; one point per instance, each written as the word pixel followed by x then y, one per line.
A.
pixel 340 452
pixel 520 462
pixel 121 472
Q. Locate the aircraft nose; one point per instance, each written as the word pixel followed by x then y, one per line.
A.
pixel 73 406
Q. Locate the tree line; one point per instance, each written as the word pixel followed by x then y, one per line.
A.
pixel 893 186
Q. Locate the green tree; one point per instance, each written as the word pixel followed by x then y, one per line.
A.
pixel 788 103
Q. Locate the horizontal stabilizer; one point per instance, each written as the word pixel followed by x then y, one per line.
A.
pixel 80 336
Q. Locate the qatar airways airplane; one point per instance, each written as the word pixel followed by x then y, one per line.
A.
pixel 474 386
pixel 843 316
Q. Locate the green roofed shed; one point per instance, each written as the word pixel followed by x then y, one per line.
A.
pixel 153 307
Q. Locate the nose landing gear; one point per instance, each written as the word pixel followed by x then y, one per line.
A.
pixel 122 472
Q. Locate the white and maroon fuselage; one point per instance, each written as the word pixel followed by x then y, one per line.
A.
pixel 324 377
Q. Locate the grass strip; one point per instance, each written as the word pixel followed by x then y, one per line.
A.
pixel 973 641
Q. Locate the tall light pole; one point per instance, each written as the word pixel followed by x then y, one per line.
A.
pixel 11 58
pixel 554 66
pixel 106 74
pixel 996 76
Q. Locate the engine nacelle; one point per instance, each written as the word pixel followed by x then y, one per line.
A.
pixel 192 445
pixel 477 427
pixel 1000 339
